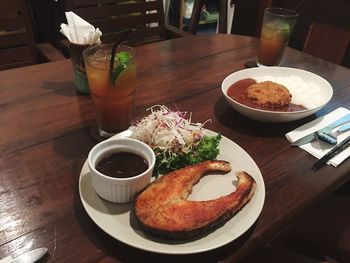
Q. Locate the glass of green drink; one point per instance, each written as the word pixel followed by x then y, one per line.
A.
pixel 276 30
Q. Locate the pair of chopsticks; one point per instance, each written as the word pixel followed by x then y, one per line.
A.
pixel 336 150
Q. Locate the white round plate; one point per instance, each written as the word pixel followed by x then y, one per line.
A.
pixel 117 219
pixel 318 89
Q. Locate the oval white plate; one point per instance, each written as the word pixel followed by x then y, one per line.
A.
pixel 324 96
pixel 117 219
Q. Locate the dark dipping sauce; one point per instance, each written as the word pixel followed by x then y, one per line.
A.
pixel 238 92
pixel 122 165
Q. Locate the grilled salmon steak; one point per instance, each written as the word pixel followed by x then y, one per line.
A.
pixel 162 209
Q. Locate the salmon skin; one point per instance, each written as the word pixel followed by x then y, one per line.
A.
pixel 162 209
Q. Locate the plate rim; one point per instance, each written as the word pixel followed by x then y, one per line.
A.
pixel 224 89
pixel 174 250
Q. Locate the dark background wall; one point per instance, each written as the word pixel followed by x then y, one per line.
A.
pixel 49 14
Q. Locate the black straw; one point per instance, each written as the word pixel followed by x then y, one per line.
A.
pixel 116 44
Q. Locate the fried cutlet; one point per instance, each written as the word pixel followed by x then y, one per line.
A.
pixel 269 94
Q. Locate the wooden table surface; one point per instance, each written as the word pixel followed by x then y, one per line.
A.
pixel 46 136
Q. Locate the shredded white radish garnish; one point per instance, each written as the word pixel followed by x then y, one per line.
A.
pixel 167 130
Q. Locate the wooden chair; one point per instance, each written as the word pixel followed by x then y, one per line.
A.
pixel 195 16
pixel 114 16
pixel 327 41
pixel 226 13
pixel 17 42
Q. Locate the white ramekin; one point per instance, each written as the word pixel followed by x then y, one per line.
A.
pixel 120 190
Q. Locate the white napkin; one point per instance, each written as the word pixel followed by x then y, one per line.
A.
pixel 79 31
pixel 318 148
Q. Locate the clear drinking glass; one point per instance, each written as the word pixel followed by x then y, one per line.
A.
pixel 79 73
pixel 276 30
pixel 112 91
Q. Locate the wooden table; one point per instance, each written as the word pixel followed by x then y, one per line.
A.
pixel 45 138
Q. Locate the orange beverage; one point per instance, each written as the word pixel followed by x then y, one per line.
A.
pixel 275 33
pixel 112 91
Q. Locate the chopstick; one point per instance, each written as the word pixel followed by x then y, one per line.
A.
pixel 336 150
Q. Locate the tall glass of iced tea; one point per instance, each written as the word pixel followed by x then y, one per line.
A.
pixel 276 30
pixel 112 90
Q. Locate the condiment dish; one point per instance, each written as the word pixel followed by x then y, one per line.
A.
pixel 306 88
pixel 118 189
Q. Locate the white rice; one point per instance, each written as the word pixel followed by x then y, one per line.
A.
pixel 305 93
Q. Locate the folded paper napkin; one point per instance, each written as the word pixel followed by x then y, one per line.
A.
pixel 318 148
pixel 79 31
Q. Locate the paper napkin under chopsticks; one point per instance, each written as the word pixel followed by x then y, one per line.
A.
pixel 6 259
pixel 318 148
pixel 79 31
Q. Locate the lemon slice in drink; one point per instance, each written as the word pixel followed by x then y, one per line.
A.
pixel 126 77
pixel 284 29
pixel 122 61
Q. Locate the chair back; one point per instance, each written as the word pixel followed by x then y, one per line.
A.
pixel 248 16
pixel 327 41
pixel 114 16
pixel 195 16
pixel 17 42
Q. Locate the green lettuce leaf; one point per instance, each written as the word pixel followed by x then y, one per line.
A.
pixel 207 149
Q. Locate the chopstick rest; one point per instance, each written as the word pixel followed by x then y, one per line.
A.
pixel 332 153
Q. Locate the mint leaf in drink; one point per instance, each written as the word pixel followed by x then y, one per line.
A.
pixel 121 60
pixel 123 57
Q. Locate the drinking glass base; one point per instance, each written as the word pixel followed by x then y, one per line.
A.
pixel 262 65
pixel 250 64
pixel 105 134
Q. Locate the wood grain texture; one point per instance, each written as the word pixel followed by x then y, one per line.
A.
pixel 17 46
pixel 17 41
pixel 46 136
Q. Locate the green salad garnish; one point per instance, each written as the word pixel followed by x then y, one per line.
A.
pixel 207 149
pixel 175 140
